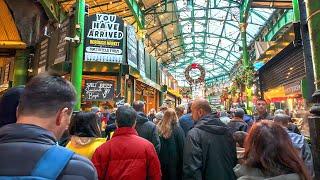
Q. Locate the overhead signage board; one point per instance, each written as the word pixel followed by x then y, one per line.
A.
pixel 62 48
pixel 104 38
pixel 132 50
pixel 95 90
pixel 293 88
pixel 141 63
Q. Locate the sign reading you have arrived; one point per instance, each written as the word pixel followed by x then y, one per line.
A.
pixel 104 38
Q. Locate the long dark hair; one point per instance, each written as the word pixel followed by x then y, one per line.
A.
pixel 269 148
pixel 85 124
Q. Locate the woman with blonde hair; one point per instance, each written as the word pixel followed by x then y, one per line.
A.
pixel 172 142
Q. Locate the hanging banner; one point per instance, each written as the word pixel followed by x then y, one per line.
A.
pixel 98 90
pixel 104 38
pixel 132 51
pixel 142 67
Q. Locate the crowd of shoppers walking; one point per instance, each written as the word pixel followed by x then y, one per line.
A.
pixel 132 145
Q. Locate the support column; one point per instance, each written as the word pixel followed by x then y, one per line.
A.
pixel 296 12
pixel 309 80
pixel 20 71
pixel 77 61
pixel 245 54
pixel 313 19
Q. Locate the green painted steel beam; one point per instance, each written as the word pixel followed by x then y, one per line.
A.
pixel 53 10
pixel 191 59
pixel 192 22
pixel 206 24
pixel 180 36
pixel 77 51
pixel 284 20
pixel 211 79
pixel 137 12
pixel 221 33
pixel 190 19
pixel 162 3
pixel 244 13
pixel 296 11
pixel 244 10
pixel 210 46
pixel 178 23
pixel 313 14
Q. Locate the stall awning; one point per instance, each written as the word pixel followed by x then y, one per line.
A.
pixel 174 92
pixel 9 35
pixel 150 83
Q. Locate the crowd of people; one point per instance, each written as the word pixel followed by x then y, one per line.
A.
pixel 172 144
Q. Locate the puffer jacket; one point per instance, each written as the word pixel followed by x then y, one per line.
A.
pixel 148 130
pixel 127 157
pixel 209 151
pixel 246 173
pixel 22 145
pixel 302 146
pixel 85 146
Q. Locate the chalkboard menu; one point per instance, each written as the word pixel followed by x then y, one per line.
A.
pixel 62 47
pixel 43 55
pixel 98 90
pixel 104 38
pixel 142 67
pixel 132 47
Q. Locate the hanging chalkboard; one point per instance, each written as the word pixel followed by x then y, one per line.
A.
pixel 98 90
pixel 132 47
pixel 43 55
pixel 62 48
pixel 104 38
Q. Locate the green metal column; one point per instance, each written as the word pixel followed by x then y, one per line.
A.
pixel 295 6
pixel 245 52
pixel 313 19
pixel 313 13
pixel 21 67
pixel 77 61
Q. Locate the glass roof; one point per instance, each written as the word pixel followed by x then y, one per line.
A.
pixel 211 37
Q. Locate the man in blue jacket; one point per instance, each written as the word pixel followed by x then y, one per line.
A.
pixel 43 115
pixel 298 141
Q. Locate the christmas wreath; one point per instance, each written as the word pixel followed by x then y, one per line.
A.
pixel 190 68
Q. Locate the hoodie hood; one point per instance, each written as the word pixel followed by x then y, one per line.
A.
pixel 141 118
pixel 77 141
pixel 212 124
pixel 298 140
pixel 26 133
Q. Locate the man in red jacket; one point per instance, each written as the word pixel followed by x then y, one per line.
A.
pixel 127 156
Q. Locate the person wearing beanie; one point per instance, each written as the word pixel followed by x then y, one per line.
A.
pixel 8 105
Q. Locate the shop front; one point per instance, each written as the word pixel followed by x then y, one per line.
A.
pixel 287 97
pixel 147 94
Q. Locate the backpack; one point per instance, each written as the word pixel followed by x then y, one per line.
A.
pixel 49 166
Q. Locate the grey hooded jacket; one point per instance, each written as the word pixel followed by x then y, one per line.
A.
pixel 300 144
pixel 22 145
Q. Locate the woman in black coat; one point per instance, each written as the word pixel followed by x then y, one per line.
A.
pixel 172 142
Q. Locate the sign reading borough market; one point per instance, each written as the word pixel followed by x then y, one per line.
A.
pixel 98 90
pixel 104 38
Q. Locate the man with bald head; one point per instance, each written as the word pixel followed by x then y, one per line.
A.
pixel 209 151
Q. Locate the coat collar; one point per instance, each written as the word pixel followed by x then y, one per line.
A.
pixel 125 131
